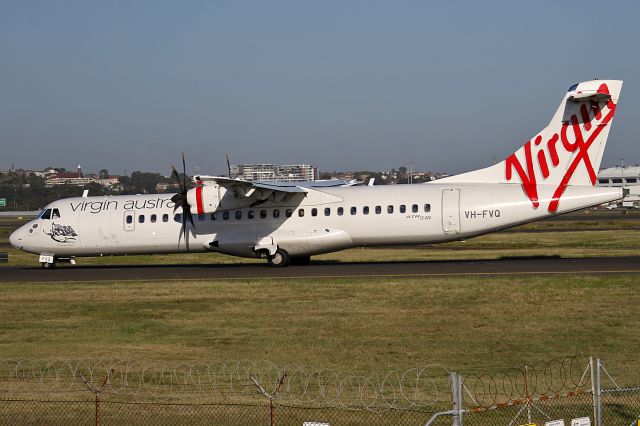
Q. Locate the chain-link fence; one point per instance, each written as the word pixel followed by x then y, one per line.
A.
pixel 260 393
pixel 621 406
pixel 49 412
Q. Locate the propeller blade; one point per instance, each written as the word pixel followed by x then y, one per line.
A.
pixel 184 230
pixel 190 217
pixel 228 165
pixel 174 173
pixel 180 201
pixel 184 175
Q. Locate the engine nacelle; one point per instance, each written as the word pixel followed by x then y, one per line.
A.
pixel 214 198
pixel 204 199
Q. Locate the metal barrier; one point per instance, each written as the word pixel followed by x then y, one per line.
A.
pixel 237 393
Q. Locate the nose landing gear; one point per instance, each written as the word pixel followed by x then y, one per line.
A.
pixel 49 261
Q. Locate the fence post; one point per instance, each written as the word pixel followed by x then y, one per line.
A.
pixel 456 398
pixel 271 397
pixel 598 421
pixel 97 391
pixel 594 398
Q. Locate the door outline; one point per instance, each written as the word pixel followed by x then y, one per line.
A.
pixel 451 211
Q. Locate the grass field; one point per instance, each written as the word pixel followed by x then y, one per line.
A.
pixel 467 324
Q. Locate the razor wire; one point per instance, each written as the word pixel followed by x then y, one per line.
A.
pixel 415 388
pixel 543 379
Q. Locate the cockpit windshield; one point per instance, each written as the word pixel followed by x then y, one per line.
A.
pixel 49 214
pixel 45 214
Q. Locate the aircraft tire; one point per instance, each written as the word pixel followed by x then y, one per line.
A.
pixel 47 265
pixel 301 260
pixel 279 259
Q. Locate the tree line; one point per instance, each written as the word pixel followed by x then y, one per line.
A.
pixel 29 192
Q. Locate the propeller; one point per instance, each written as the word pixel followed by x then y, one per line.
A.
pixel 180 201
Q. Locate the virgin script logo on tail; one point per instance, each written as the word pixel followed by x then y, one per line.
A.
pixel 573 138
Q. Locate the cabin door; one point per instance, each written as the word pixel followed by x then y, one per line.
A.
pixel 451 211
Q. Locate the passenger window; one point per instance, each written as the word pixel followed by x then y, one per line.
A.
pixel 177 217
pixel 165 217
pixel 427 208
pixel 414 208
pixel 378 209
pixel 201 217
pixel 225 215
pixel 129 219
pixel 354 210
pixel 263 214
pixel 141 218
pixel 276 213
pixel 301 212
pixel 403 208
pixel 56 214
pixel 340 211
pixel 389 209
pixel 314 212
pixel 251 214
pixel 365 210
pixel 327 211
pixel 288 212
pixel 153 218
pixel 238 214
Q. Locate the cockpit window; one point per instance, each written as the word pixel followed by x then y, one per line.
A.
pixel 55 214
pixel 46 214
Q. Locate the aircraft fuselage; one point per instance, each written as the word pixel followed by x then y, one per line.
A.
pixel 319 221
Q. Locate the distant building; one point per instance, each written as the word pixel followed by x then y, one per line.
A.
pixel 108 182
pixel 65 179
pixel 629 177
pixel 283 173
pixel 618 176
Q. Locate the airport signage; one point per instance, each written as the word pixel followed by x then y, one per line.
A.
pixel 3 202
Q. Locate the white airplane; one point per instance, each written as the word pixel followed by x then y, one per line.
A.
pixel 553 173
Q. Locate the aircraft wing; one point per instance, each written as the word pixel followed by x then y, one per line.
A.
pixel 299 186
pixel 249 187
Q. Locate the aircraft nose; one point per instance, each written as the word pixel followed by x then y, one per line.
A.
pixel 15 239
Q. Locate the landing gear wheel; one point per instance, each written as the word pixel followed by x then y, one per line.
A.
pixel 279 259
pixel 47 265
pixel 301 260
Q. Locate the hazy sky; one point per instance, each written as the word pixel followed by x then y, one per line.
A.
pixel 340 84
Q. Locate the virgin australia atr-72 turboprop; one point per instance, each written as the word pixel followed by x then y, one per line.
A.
pixel 551 174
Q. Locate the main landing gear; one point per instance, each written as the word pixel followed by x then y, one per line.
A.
pixel 281 258
pixel 301 260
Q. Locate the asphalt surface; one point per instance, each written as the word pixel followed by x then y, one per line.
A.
pixel 528 266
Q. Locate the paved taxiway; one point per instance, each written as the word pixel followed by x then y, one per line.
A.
pixel 536 266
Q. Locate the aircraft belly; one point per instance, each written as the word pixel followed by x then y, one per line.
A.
pixel 326 240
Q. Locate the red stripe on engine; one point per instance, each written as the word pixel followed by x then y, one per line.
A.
pixel 199 200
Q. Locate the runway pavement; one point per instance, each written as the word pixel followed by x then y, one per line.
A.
pixel 533 266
